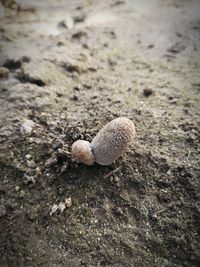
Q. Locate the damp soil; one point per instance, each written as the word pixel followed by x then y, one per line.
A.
pixel 71 67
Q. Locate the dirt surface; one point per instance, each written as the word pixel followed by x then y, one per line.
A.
pixel 70 67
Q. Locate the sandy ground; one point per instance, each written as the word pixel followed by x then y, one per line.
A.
pixel 70 67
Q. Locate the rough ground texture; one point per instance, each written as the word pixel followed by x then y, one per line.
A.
pixel 72 66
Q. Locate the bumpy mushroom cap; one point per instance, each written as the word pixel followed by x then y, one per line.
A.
pixel 82 151
pixel 112 140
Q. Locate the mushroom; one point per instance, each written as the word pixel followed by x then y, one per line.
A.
pixel 107 146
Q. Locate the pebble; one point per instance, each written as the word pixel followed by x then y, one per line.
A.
pixel 2 210
pixel 119 210
pixel 53 209
pixel 27 127
pixel 68 202
pixel 28 156
pixel 61 206
pixel 21 194
pixel 125 196
pixel 31 164
pixel 147 92
pixel 4 73
pixel 38 171
pixel 114 179
pixel 17 188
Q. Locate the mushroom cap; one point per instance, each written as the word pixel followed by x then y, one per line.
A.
pixel 82 151
pixel 112 140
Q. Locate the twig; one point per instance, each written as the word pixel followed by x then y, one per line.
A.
pixel 113 172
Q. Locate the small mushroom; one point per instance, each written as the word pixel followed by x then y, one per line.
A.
pixel 82 151
pixel 107 146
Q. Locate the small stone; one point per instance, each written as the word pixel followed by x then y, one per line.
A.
pixel 21 194
pixel 147 92
pixel 28 156
pixel 31 164
pixel 62 206
pixel 38 171
pixel 114 179
pixel 106 206
pixel 169 172
pixel 17 188
pixel 68 202
pixel 125 196
pixel 119 210
pixel 27 127
pixel 53 209
pixel 2 210
pixel 4 73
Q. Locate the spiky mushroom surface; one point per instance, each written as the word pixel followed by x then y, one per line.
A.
pixel 112 140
